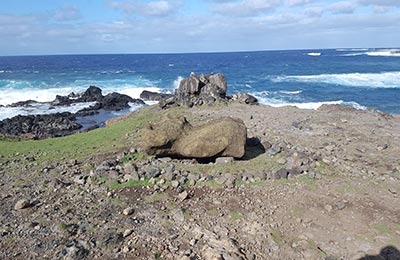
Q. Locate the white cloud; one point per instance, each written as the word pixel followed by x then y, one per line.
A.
pixel 154 8
pixel 342 7
pixel 67 12
pixel 380 2
pixel 298 2
pixel 246 7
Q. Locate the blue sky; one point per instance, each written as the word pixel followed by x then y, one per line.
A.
pixel 161 26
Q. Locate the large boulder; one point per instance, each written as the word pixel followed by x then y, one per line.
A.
pixel 176 137
pixel 91 94
pixel 203 89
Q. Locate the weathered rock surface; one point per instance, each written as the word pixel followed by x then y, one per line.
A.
pixel 40 126
pixel 174 136
pixel 245 98
pixel 203 89
pixel 154 96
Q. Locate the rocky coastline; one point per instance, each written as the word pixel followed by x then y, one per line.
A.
pixel 208 176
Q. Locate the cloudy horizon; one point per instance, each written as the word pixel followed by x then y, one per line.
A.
pixel 160 26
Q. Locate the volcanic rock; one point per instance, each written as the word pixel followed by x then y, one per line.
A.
pixel 203 89
pixel 154 96
pixel 245 98
pixel 174 136
pixel 40 126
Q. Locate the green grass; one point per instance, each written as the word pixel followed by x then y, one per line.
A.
pixel 382 229
pixel 79 146
pixel 235 216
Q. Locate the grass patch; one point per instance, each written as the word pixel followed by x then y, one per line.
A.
pixel 235 216
pixel 212 212
pixel 277 236
pixel 382 228
pixel 79 146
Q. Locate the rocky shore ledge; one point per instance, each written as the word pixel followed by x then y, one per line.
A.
pixel 205 89
pixel 207 178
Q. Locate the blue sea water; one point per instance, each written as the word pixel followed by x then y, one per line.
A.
pixel 305 78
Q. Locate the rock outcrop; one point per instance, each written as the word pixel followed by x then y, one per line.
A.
pixel 61 124
pixel 203 89
pixel 112 101
pixel 199 90
pixel 176 137
pixel 40 126
pixel 154 96
pixel 245 98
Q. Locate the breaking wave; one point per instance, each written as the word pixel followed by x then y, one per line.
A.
pixel 12 91
pixel 372 80
pixel 376 53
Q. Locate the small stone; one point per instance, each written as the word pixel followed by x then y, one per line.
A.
pixel 340 205
pixel 154 172
pixel 175 184
pixel 224 160
pixel 127 232
pixel 128 211
pixel 193 242
pixel 185 257
pixel 152 181
pixel 281 160
pixel 183 195
pixel 125 249
pixel 328 208
pixel 22 204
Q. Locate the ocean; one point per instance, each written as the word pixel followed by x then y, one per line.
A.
pixel 362 78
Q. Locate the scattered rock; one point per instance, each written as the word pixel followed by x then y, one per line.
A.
pixel 245 98
pixel 183 195
pixel 22 204
pixel 224 160
pixel 128 211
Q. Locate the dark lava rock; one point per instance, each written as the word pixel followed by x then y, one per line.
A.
pixel 40 126
pixel 154 96
pixel 203 89
pixel 245 98
pixel 93 93
pixel 23 103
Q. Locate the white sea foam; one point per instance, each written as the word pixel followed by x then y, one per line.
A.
pixel 376 53
pixel 177 82
pixel 372 80
pixel 385 53
pixel 352 49
pixel 290 92
pixel 12 91
pixel 9 96
pixel 306 105
pixel 314 54
pixel 36 109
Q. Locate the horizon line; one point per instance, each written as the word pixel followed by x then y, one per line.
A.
pixel 198 52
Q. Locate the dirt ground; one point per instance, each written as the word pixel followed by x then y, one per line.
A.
pixel 346 206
